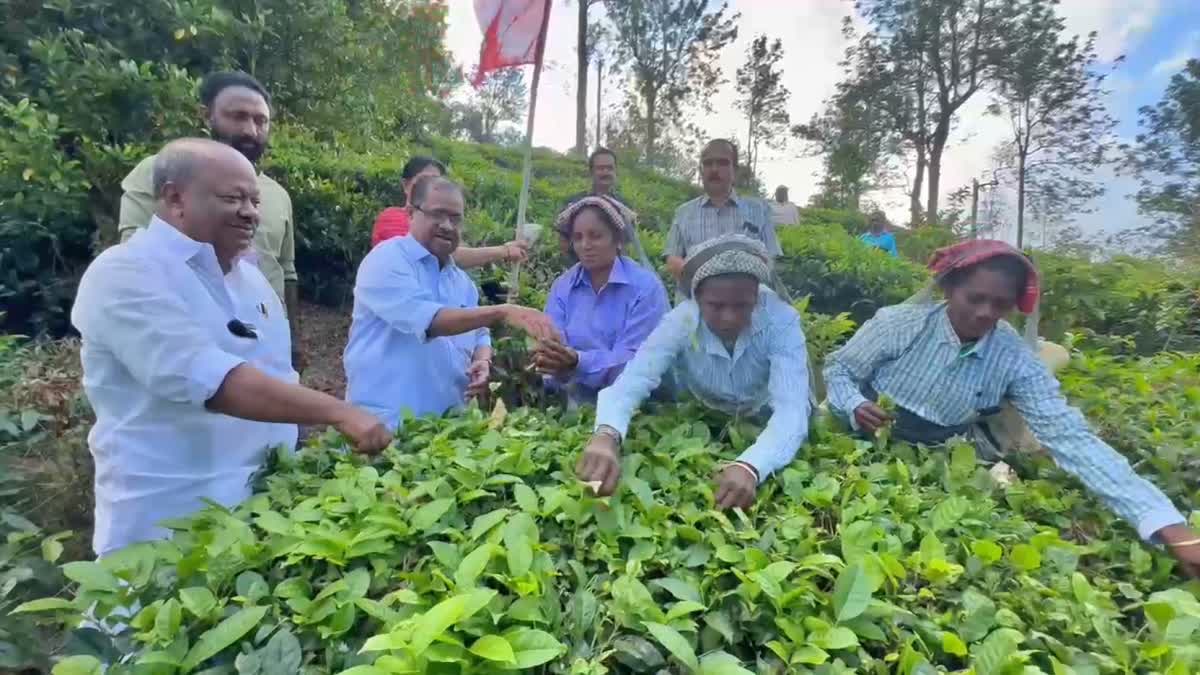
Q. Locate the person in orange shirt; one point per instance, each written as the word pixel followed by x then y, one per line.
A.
pixel 394 221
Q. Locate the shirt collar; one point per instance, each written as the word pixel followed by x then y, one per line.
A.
pixel 618 275
pixel 168 240
pixel 946 334
pixel 416 252
pixel 733 200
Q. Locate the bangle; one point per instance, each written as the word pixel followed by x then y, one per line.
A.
pixel 745 467
pixel 1181 544
pixel 605 430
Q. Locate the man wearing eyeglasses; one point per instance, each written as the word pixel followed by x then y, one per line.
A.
pixel 419 340
pixel 186 354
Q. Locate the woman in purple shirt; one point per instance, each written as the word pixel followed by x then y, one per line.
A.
pixel 605 305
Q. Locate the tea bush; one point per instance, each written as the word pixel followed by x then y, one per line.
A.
pixel 841 273
pixel 470 547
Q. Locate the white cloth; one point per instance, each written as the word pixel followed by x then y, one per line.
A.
pixel 154 314
pixel 784 213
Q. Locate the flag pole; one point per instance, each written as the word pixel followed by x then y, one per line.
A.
pixel 527 165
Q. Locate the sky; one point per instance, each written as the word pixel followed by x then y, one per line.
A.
pixel 1155 37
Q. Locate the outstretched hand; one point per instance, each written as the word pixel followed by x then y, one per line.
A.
pixel 535 323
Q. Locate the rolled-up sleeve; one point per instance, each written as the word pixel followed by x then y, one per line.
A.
pixel 615 405
pixel 388 286
pixel 137 199
pixel 483 336
pixel 150 331
pixel 787 390
pixel 287 250
pixel 1064 431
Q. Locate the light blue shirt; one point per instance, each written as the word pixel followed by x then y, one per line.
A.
pixel 391 364
pixel 884 240
pixel 768 369
pixel 911 353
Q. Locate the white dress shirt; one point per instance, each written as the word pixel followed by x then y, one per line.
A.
pixel 154 315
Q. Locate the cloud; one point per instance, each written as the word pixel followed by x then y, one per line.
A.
pixel 1189 49
pixel 1119 24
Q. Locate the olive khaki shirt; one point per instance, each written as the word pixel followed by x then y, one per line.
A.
pixel 274 241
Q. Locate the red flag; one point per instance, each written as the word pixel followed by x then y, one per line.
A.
pixel 512 31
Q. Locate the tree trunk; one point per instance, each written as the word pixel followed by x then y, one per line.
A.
pixel 651 97
pixel 599 84
pixel 914 197
pixel 581 82
pixel 935 176
pixel 1021 199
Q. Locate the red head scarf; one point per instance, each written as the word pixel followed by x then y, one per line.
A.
pixel 968 253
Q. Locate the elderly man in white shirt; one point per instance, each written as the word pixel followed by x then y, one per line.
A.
pixel 187 356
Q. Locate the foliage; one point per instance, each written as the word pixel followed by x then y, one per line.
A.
pixel 1123 304
pixel 918 63
pixel 841 273
pixel 500 99
pixel 1162 439
pixel 1166 159
pixel 1048 89
pixel 470 547
pixel 671 49
pixel 762 97
pixel 854 146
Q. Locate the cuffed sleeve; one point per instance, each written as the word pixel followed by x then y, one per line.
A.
pixel 787 391
pixel 150 331
pixel 1064 431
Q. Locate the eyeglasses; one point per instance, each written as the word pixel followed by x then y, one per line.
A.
pixel 438 216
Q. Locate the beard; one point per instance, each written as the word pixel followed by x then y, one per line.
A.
pixel 251 148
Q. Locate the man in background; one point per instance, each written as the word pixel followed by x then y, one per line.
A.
pixel 783 212
pixel 717 212
pixel 878 236
pixel 602 166
pixel 186 355
pixel 237 110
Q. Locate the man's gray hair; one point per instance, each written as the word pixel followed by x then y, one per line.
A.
pixel 177 162
pixel 427 184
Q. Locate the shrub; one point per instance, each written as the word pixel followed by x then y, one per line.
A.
pixel 470 547
pixel 842 274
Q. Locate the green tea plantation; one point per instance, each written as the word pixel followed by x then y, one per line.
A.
pixel 469 547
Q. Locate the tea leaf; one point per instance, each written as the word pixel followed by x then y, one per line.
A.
pixel 224 634
pixel 851 593
pixel 670 638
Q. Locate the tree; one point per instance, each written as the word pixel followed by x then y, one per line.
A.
pixel 672 48
pixel 1053 98
pixel 762 97
pixel 921 62
pixel 854 147
pixel 583 57
pixel 1166 160
pixel 501 99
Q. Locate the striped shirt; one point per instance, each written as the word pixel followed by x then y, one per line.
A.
pixel 911 353
pixel 698 220
pixel 768 369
